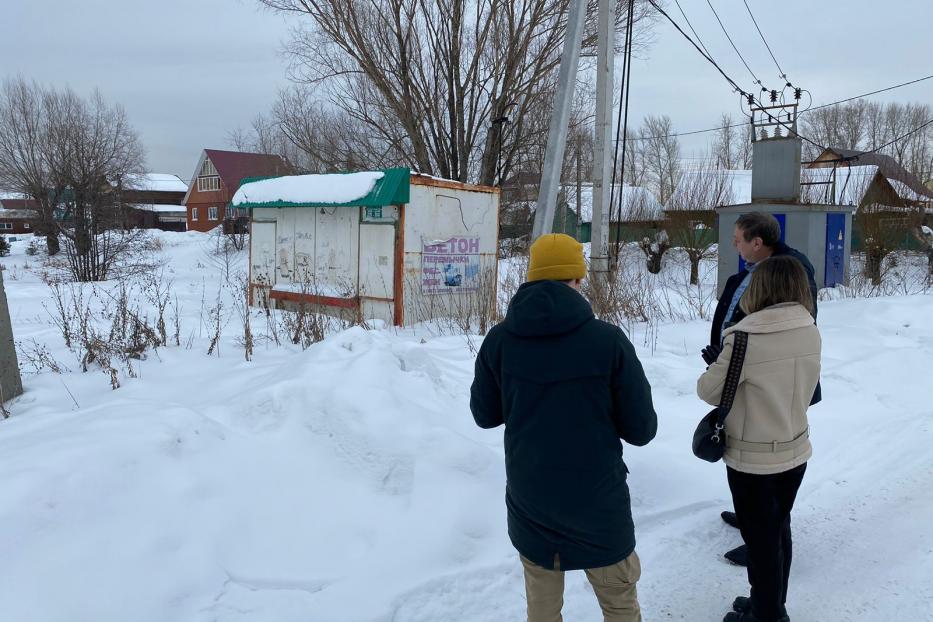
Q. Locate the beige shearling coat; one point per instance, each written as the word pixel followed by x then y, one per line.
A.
pixel 767 429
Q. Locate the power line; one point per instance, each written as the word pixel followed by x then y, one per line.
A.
pixel 751 98
pixel 890 88
pixel 853 158
pixel 687 19
pixel 726 32
pixel 626 71
pixel 676 134
pixel 841 101
pixel 702 53
pixel 628 89
pixel 890 142
pixel 755 21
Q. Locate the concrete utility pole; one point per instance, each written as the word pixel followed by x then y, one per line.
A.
pixel 11 384
pixel 602 164
pixel 557 132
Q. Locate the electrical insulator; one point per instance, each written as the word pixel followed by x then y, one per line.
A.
pixel 798 93
pixel 773 96
pixel 751 99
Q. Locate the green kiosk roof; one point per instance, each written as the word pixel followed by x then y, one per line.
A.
pixel 389 186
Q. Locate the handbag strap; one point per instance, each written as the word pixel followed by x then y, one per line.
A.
pixel 732 376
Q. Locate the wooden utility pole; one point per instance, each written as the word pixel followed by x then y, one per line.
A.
pixel 11 384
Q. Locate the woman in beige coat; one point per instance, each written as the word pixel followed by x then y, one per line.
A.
pixel 767 434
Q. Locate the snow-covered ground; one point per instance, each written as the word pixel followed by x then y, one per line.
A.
pixel 347 482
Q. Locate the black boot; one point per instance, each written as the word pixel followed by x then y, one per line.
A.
pixel 748 616
pixel 730 519
pixel 741 604
pixel 738 555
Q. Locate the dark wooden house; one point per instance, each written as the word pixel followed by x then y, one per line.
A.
pixel 17 216
pixel 154 201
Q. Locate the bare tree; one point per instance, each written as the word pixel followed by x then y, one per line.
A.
pixel 821 126
pixel 636 217
pixel 744 155
pixel 75 156
pixel 100 153
pixel 894 129
pixel 917 153
pixel 724 144
pixel 265 135
pixel 661 153
pixel 636 162
pixel 27 127
pixel 850 126
pixel 732 145
pixel 329 139
pixel 517 201
pixel 882 230
pixel 427 77
pixel 690 219
pixel 871 126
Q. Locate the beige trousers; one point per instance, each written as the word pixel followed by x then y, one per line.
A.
pixel 614 586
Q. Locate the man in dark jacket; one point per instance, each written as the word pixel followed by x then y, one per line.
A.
pixel 567 387
pixel 757 236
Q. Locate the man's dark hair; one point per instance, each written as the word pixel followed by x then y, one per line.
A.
pixel 760 225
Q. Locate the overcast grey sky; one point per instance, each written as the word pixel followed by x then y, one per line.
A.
pixel 188 72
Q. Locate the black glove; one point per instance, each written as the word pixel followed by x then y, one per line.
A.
pixel 710 354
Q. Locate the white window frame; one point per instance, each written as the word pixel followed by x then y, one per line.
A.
pixel 208 178
pixel 27 226
pixel 208 183
pixel 208 169
pixel 6 225
pixel 194 213
pixel 212 212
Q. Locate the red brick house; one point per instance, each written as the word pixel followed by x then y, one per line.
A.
pixel 217 178
pixel 17 215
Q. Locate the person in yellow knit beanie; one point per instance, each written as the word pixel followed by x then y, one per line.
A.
pixel 556 257
pixel 568 387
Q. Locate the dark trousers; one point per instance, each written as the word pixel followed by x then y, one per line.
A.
pixel 762 508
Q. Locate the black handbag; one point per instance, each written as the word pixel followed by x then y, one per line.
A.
pixel 709 439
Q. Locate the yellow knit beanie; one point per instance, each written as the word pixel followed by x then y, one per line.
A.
pixel 556 257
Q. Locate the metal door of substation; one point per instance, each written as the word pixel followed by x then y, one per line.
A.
pixel 835 250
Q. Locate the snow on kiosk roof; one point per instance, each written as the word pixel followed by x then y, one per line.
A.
pixel 390 186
